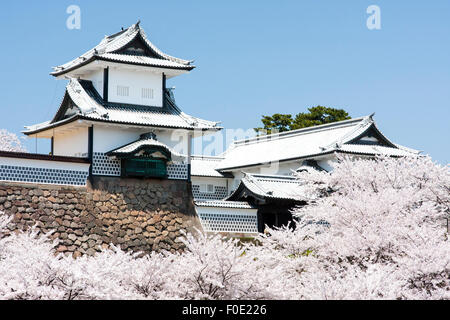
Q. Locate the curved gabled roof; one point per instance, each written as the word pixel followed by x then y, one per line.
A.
pixel 141 144
pixel 266 187
pixel 109 49
pixel 342 136
pixel 84 102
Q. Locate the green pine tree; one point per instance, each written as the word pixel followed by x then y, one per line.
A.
pixel 315 116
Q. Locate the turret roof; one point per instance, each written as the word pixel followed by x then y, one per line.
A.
pixel 82 101
pixel 113 48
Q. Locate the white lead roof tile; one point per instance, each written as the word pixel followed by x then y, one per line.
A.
pixel 90 106
pixel 110 44
pixel 303 143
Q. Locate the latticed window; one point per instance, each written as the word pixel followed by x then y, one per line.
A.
pixel 147 93
pixel 144 168
pixel 123 91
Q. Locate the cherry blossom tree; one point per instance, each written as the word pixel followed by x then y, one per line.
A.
pixel 374 229
pixel 380 233
pixel 10 142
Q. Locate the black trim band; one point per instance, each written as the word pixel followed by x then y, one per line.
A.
pixel 34 156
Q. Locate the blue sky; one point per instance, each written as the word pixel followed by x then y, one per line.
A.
pixel 253 58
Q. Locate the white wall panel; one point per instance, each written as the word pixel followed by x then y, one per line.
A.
pixel 73 143
pixel 109 138
pixel 135 81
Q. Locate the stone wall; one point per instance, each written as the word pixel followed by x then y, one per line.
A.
pixel 136 214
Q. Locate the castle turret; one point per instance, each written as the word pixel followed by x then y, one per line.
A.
pixel 117 97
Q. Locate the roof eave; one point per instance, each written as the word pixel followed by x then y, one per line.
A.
pixel 145 125
pixel 262 198
pixel 98 58
pixel 81 117
pixel 53 125
pixel 155 49
pixel 226 169
pixel 210 176
pixel 187 67
pixel 74 67
pixel 281 160
pixel 115 152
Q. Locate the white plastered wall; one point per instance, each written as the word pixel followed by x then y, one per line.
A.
pixel 219 191
pixel 44 164
pixel 135 81
pixel 72 144
pixel 107 138
pixel 175 139
pixel 221 182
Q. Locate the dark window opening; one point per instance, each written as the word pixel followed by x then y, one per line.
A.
pixel 147 168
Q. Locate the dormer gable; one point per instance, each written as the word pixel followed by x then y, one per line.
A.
pixel 138 47
pixel 124 49
pixel 372 136
pixel 66 110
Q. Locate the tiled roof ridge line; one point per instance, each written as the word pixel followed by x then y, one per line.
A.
pixel 288 134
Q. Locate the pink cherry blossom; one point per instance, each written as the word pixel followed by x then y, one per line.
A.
pixel 374 229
